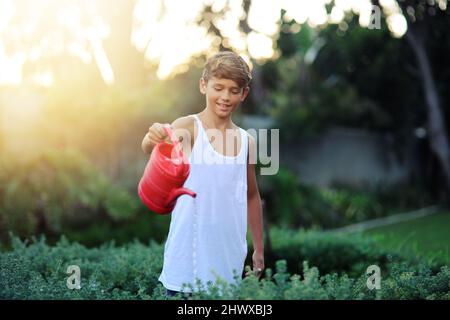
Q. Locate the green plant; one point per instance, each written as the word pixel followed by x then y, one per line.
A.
pixel 295 205
pixel 34 270
pixel 329 252
pixel 57 189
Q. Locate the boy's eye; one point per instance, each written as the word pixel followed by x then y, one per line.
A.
pixel 233 91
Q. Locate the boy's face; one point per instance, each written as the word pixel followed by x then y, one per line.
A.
pixel 222 95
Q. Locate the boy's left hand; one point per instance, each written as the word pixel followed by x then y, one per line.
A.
pixel 258 263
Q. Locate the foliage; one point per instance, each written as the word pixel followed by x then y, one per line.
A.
pixel 57 189
pixel 296 205
pixel 329 252
pixel 38 271
pixel 426 237
pixel 61 192
pixel 145 225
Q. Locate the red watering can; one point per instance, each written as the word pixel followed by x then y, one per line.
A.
pixel 164 176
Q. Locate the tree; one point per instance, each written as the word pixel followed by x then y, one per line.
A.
pixel 427 21
pixel 420 16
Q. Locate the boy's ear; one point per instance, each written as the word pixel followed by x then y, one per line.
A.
pixel 245 93
pixel 202 85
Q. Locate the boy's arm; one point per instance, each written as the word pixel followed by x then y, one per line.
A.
pixel 254 215
pixel 147 145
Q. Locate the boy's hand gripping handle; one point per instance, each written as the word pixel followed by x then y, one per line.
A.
pixel 177 145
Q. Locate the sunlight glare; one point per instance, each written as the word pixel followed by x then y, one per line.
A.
pixel 260 46
pixel 263 16
pixel 166 31
pixel 11 67
pixel 397 25
pixel 7 11
pixel 170 40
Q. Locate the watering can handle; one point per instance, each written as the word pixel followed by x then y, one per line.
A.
pixel 174 140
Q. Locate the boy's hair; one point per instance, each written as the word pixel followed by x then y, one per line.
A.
pixel 228 65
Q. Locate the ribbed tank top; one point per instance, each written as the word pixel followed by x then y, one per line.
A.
pixel 207 234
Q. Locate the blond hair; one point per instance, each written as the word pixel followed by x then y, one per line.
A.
pixel 228 65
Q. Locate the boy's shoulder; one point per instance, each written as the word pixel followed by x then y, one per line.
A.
pixel 185 122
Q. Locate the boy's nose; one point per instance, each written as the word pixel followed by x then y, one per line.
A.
pixel 225 96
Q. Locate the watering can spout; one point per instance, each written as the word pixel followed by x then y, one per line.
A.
pixel 175 193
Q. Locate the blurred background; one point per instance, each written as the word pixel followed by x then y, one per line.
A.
pixel 359 93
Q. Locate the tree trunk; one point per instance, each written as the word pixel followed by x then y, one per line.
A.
pixel 437 131
pixel 257 89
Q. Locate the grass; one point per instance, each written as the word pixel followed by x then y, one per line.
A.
pixel 427 237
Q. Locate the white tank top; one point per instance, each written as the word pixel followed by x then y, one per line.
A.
pixel 207 234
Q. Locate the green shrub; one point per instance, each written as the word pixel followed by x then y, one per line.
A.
pixel 331 252
pixel 285 198
pixel 294 205
pixel 38 271
pixel 145 225
pixel 55 190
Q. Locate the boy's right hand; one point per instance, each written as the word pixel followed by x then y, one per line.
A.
pixel 156 133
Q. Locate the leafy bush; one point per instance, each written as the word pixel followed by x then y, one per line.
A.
pixel 145 225
pixel 285 198
pixel 57 189
pixel 329 252
pixel 295 205
pixel 403 197
pixel 38 271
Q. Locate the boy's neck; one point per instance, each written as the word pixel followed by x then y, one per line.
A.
pixel 213 121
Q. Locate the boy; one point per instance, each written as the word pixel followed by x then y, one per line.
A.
pixel 207 236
